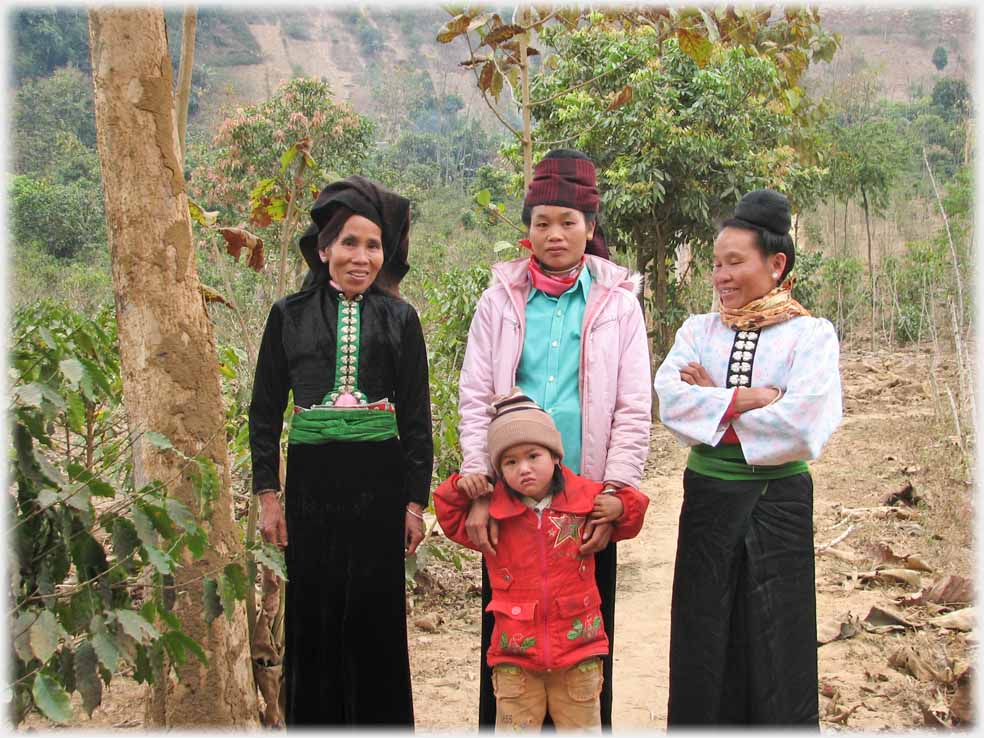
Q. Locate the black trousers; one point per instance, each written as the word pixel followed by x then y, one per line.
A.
pixel 606 562
pixel 743 621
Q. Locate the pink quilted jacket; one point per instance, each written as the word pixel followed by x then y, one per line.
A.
pixel 614 379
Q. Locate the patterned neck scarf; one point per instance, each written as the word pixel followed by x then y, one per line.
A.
pixel 553 283
pixel 775 307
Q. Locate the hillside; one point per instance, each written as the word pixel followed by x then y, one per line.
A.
pixel 358 50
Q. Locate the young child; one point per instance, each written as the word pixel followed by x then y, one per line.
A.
pixel 548 634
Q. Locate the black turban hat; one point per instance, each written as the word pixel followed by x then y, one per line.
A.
pixel 765 209
pixel 362 196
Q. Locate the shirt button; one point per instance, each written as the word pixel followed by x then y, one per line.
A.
pixel 516 610
pixel 559 313
pixel 551 378
pixel 555 344
pixel 586 600
pixel 507 577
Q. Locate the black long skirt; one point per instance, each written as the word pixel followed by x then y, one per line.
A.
pixel 743 623
pixel 605 568
pixel 345 653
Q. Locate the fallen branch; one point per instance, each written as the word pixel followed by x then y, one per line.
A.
pixel 837 540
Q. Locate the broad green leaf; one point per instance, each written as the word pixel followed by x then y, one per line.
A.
pixel 483 197
pixel 65 661
pixel 210 600
pixel 87 677
pixel 95 484
pixel 72 370
pixel 144 527
pixel 51 699
pixel 196 542
pixel 159 559
pixel 180 515
pixel 287 157
pixel 20 630
pixel 176 643
pixel 104 644
pixel 135 626
pixel 77 612
pixel 48 471
pixel 237 577
pixel 28 394
pixel 159 440
pixel 87 555
pixel 501 246
pixel 272 558
pixel 76 413
pixel 206 485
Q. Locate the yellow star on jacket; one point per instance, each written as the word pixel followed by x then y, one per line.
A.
pixel 568 527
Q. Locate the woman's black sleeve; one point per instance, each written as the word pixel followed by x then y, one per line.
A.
pixel 266 409
pixel 413 412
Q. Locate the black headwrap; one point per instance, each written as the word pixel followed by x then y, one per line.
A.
pixel 766 209
pixel 362 196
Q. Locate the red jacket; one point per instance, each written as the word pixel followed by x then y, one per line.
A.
pixel 545 600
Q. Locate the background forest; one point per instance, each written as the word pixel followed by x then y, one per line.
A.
pixel 864 117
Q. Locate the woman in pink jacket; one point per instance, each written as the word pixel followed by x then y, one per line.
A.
pixel 564 325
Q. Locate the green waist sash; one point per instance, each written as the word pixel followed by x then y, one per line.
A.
pixel 727 461
pixel 324 426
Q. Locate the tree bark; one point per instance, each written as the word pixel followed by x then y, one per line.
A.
pixel 871 265
pixel 184 72
pixel 167 349
pixel 524 75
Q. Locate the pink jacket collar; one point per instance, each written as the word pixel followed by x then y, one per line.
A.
pixel 515 274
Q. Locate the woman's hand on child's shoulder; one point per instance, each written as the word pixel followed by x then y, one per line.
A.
pixel 474 485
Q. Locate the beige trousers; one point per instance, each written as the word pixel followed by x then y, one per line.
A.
pixel 570 696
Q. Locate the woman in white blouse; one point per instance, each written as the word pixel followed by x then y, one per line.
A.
pixel 755 391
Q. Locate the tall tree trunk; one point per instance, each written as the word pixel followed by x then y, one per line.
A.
pixel 871 264
pixel 660 289
pixel 167 350
pixel 184 72
pixel 524 75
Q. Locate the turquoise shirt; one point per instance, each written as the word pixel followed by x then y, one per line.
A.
pixel 548 367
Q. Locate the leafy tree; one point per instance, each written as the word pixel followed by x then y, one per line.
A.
pixel 63 218
pixel 676 143
pixel 866 162
pixel 47 38
pixel 59 107
pixel 249 145
pixel 952 98
pixel 940 58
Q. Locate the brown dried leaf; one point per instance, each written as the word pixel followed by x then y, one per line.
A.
pixel 485 77
pixel 210 295
pixel 906 659
pixel 453 28
pixel 962 704
pixel 907 496
pixel 624 97
pixel 428 622
pixel 268 680
pixel 880 616
pixel 500 34
pixel 906 576
pixel 950 590
pixel 238 239
pixel 839 629
pixel 844 713
pixel 962 620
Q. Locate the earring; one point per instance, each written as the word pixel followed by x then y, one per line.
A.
pixel 324 258
pixel 775 276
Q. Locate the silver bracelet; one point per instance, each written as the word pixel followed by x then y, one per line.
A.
pixel 416 515
pixel 775 399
